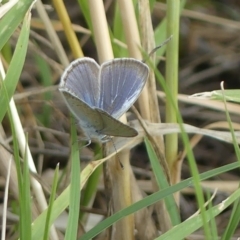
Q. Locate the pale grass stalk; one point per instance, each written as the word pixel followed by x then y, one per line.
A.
pixel 68 28
pixel 121 194
pixel 210 104
pixel 227 187
pixel 147 100
pixel 4 154
pixel 100 30
pixel 134 43
pixel 172 85
pixel 52 34
pixel 156 129
pixel 148 45
pixel 216 125
pixel 119 181
pixel 146 228
pixel 4 214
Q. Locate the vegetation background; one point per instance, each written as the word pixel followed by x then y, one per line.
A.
pixel 165 181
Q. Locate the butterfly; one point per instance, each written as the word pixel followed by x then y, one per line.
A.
pixel 99 95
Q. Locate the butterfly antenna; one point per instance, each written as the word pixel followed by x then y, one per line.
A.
pixel 120 163
pixel 156 48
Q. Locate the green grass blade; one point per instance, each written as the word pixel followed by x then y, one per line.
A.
pixel 51 201
pixel 17 159
pixel 233 222
pixel 26 214
pixel 162 183
pixel 15 67
pixel 229 95
pixel 11 20
pixel 86 13
pixel 118 34
pixel 232 95
pixel 74 203
pixel 235 216
pixel 192 224
pixel 7 52
pixel 62 202
pixel 160 34
pixel 23 181
pixel 212 223
pixel 153 198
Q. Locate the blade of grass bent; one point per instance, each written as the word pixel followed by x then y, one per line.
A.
pixel 62 201
pixel 12 19
pixel 149 200
pixel 232 95
pixel 192 224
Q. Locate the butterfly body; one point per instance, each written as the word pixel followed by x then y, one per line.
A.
pixel 99 95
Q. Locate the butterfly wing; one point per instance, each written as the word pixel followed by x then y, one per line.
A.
pixel 113 127
pixel 121 82
pixel 90 120
pixel 96 96
pixel 81 79
pixel 96 123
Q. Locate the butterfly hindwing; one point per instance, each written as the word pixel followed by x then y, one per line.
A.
pixel 97 120
pixel 89 119
pixel 114 127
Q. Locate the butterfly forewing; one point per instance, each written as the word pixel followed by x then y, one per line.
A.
pixel 121 81
pixel 81 79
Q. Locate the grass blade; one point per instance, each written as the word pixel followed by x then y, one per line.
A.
pixel 162 183
pixel 15 67
pixel 12 19
pixel 74 202
pixel 51 201
pixel 26 199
